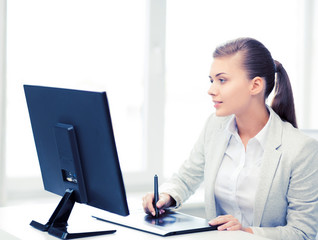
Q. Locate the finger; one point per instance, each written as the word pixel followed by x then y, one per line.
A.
pixel 220 220
pixel 230 226
pixel 145 201
pixel 162 202
pixel 148 204
pixel 235 228
pixel 161 211
pixel 226 218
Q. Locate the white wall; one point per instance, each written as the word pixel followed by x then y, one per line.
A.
pixel 173 89
pixel 2 97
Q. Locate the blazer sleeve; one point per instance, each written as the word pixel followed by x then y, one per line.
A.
pixel 191 173
pixel 302 196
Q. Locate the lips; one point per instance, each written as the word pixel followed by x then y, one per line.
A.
pixel 217 104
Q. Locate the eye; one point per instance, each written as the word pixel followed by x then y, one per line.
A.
pixel 211 80
pixel 222 80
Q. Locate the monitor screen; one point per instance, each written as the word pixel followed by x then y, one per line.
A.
pixel 76 148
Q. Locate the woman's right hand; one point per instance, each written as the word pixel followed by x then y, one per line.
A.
pixel 165 201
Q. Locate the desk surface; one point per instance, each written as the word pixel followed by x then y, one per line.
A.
pixel 14 224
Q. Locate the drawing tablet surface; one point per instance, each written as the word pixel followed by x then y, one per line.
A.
pixel 170 223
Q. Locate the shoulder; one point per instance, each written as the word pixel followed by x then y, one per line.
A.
pixel 294 140
pixel 213 129
pixel 217 123
pixel 284 136
pixel 297 148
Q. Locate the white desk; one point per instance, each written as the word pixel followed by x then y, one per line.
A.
pixel 14 224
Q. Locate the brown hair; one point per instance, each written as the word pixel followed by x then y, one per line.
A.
pixel 258 62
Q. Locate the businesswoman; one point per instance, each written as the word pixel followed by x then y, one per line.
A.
pixel 260 172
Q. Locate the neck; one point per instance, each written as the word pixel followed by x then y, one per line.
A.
pixel 251 122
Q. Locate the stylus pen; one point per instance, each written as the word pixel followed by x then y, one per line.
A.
pixel 156 193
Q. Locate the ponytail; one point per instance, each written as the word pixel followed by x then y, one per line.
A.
pixel 258 62
pixel 283 102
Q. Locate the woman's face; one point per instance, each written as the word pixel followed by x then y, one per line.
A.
pixel 230 89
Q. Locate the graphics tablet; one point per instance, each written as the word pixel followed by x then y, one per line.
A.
pixel 170 223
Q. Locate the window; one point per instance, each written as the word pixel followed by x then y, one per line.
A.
pixel 193 32
pixel 311 88
pixel 153 60
pixel 92 45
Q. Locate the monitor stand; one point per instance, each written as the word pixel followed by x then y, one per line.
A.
pixel 57 224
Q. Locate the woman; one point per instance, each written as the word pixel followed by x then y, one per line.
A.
pixel 260 171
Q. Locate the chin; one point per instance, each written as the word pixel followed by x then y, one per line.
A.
pixel 219 113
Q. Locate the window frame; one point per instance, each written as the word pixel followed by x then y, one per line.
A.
pixel 3 31
pixel 28 187
pixel 154 106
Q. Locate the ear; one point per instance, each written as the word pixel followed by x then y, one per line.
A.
pixel 257 85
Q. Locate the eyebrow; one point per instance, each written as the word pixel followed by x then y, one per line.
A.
pixel 217 74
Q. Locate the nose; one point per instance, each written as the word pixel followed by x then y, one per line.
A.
pixel 212 90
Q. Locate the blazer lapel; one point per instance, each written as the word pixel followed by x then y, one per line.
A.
pixel 268 169
pixel 214 155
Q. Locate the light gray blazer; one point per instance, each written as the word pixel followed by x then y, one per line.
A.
pixel 286 201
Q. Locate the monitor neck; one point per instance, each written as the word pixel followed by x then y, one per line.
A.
pixel 57 224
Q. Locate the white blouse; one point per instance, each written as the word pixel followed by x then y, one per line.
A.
pixel 238 176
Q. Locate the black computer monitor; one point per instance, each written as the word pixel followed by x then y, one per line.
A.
pixel 77 154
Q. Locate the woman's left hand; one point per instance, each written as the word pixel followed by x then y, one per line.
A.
pixel 229 223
